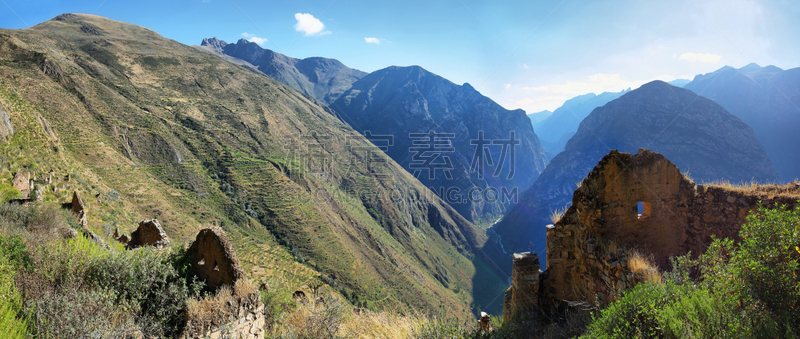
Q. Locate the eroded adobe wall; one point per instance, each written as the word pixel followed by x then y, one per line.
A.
pixel 588 248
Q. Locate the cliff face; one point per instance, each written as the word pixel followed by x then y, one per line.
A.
pixel 642 202
pixel 698 135
pixel 765 98
pixel 402 101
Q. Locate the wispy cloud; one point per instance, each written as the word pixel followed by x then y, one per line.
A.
pixel 309 25
pixel 700 57
pixel 372 41
pixel 254 38
pixel 507 86
pixel 551 96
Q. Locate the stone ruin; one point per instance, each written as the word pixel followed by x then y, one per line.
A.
pixel 524 291
pixel 149 233
pixel 213 258
pixel 627 202
pixel 214 261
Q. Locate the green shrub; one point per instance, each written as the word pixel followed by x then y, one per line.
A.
pixel 147 279
pixel 745 290
pixel 11 326
pixel 8 192
pixel 14 249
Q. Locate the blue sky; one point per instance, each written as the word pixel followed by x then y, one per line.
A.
pixel 523 54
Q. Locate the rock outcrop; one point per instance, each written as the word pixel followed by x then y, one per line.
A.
pixel 6 129
pixel 149 233
pixel 641 202
pixel 213 258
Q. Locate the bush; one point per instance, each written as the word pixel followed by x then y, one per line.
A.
pixel 11 326
pixel 147 279
pixel 745 290
pixel 14 250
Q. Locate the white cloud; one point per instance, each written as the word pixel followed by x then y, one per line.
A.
pixel 507 86
pixel 372 41
pixel 552 96
pixel 700 57
pixel 525 66
pixel 254 38
pixel 309 25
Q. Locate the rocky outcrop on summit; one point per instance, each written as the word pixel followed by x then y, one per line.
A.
pixel 149 233
pixel 697 134
pixel 213 258
pixel 322 78
pixel 766 98
pixel 399 101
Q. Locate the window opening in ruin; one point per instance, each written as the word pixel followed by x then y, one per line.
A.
pixel 643 209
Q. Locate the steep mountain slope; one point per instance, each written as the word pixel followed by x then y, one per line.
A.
pixel 767 99
pixel 148 127
pixel 697 134
pixel 399 101
pixel 321 78
pixel 555 131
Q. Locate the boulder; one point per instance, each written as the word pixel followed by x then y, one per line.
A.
pixel 149 233
pixel 213 258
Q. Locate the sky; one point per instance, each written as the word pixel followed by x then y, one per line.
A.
pixel 532 55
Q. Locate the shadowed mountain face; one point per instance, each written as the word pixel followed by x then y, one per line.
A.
pixel 555 130
pixel 695 133
pixel 767 99
pixel 473 158
pixel 322 78
pixel 184 135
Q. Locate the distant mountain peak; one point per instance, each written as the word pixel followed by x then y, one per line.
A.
pixel 750 67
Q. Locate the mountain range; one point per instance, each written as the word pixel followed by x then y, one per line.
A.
pixel 142 126
pixel 321 78
pixel 555 130
pixel 697 134
pixel 767 99
pixel 409 101
pixel 401 102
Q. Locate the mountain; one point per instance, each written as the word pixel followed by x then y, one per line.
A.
pixel 555 130
pixel 695 133
pixel 679 82
pixel 321 78
pixel 767 99
pixel 470 131
pixel 539 116
pixel 142 127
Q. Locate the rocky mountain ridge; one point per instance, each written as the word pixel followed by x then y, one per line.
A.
pixel 474 136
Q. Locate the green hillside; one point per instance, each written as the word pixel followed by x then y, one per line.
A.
pixel 147 127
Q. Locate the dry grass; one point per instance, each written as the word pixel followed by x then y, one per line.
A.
pixel 219 308
pixel 790 190
pixel 329 316
pixel 557 214
pixel 643 266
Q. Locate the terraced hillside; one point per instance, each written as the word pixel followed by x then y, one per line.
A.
pixel 148 127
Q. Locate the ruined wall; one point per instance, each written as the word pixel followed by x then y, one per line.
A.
pixel 244 320
pixel 639 202
pixel 524 290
